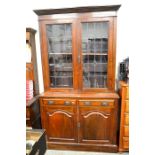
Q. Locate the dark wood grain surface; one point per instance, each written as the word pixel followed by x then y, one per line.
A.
pixel 77 10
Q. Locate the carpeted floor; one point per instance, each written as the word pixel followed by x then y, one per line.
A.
pixel 58 152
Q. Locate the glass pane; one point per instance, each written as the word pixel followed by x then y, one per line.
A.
pixel 60 55
pixel 95 54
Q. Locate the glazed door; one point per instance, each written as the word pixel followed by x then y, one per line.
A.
pixel 59 120
pixel 97 122
pixel 97 54
pixel 59 54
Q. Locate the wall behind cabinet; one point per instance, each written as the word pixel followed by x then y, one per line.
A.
pixel 122 25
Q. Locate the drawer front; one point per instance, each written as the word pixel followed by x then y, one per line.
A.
pixel 126 131
pixel 65 102
pixel 127 92
pixel 103 103
pixel 126 119
pixel 127 106
pixel 125 142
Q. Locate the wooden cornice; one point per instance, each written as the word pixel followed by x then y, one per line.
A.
pixel 77 10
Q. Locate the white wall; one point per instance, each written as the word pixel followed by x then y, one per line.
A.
pixel 122 27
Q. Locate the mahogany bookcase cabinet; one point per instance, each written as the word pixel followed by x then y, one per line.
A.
pixel 79 108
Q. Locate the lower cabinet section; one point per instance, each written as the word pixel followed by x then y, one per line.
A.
pixel 89 125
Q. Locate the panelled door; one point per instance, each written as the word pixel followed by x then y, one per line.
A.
pixel 97 122
pixel 59 118
pixel 59 54
pixel 96 52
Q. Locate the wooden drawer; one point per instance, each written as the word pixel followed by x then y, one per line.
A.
pixel 65 102
pixel 126 119
pixel 126 131
pixel 103 103
pixel 126 106
pixel 127 92
pixel 125 142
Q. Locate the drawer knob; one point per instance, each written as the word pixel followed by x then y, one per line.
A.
pixel 104 103
pixel 87 103
pixel 50 102
pixel 67 103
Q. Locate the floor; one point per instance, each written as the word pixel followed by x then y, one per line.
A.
pixel 58 152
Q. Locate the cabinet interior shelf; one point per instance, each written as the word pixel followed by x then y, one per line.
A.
pixel 94 53
pixel 50 53
pixel 61 65
pixel 61 76
pixel 95 63
pixel 57 86
pixel 86 53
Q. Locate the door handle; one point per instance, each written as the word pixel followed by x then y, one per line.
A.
pixel 50 102
pixel 79 59
pixel 104 103
pixel 67 103
pixel 87 103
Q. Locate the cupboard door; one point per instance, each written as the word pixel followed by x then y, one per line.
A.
pixel 60 123
pixel 97 54
pixel 59 38
pixel 97 123
pixel 59 54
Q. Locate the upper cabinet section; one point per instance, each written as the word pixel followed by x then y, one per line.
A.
pixel 78 48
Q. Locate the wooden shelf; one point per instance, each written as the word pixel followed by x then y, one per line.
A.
pixel 94 54
pixel 60 53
